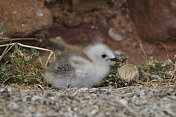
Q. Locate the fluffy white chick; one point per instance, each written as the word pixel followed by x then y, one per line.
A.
pixel 81 68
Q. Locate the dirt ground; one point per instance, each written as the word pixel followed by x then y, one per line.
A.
pixel 81 27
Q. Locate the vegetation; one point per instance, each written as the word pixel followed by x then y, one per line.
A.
pixel 155 71
pixel 151 72
pixel 20 66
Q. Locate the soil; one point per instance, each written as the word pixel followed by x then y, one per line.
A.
pixel 81 26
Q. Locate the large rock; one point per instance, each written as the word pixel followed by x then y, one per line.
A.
pixel 23 18
pixel 155 19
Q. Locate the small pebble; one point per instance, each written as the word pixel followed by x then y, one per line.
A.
pixel 118 52
pixel 114 36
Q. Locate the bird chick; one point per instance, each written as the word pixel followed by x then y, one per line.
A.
pixel 81 68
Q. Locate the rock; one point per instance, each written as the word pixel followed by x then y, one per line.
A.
pixel 154 19
pixel 72 20
pixel 5 93
pixel 118 52
pixel 23 18
pixel 114 36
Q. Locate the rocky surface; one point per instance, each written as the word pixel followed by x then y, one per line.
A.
pixel 154 19
pixel 24 18
pixel 107 22
pixel 89 21
pixel 134 101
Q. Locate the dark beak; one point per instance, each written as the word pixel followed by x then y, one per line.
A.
pixel 115 59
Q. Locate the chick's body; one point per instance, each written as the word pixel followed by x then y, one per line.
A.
pixel 80 68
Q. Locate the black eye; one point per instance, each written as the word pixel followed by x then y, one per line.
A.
pixel 103 55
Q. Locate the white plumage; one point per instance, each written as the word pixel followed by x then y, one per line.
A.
pixel 80 68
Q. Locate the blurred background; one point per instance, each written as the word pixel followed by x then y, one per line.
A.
pixel 138 30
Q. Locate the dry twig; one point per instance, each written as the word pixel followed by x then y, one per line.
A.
pixel 28 46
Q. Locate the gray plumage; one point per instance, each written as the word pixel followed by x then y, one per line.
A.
pixel 80 68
